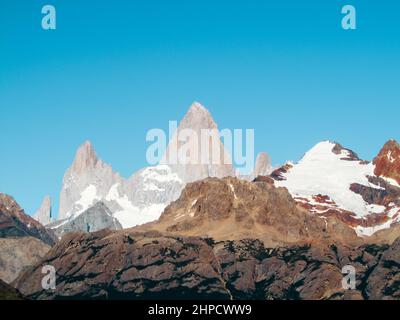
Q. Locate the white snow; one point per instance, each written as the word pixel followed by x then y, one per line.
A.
pixel 160 173
pixel 88 198
pixel 391 181
pixel 389 156
pixel 373 208
pixel 136 216
pixel 131 215
pixel 369 231
pixel 321 171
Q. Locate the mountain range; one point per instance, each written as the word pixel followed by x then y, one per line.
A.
pixel 205 231
pixel 329 180
pixel 142 197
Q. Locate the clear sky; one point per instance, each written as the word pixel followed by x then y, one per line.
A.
pixel 112 70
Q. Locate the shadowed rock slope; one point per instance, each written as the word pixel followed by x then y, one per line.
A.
pixel 9 293
pixel 130 265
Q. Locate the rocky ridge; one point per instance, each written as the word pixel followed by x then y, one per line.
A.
pixel 93 219
pixel 130 265
pixel 234 209
pixel 15 223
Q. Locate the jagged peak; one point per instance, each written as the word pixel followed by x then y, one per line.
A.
pixel 8 201
pixel 390 150
pixel 387 162
pixel 263 164
pixel 197 106
pixel 391 144
pixel 85 157
pixel 327 148
pixel 43 214
pixel 197 117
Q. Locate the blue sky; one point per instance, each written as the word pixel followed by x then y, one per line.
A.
pixel 112 70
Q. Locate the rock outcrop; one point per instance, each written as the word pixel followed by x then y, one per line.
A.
pixel 197 164
pixel 86 182
pixel 15 223
pixel 125 265
pixel 384 279
pixel 131 265
pixel 235 209
pixel 23 240
pixel 263 165
pixel 93 219
pixel 43 214
pixel 387 163
pixel 18 254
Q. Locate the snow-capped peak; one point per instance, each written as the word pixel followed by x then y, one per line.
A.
pixel 328 150
pixel 330 179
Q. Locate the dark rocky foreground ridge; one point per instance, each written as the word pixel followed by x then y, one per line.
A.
pixel 133 265
pixel 7 292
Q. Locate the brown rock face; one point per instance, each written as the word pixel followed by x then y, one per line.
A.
pixel 235 209
pixel 388 161
pixel 384 281
pixel 18 254
pixel 277 174
pixel 15 223
pixel 131 265
pixel 351 155
pixel 125 265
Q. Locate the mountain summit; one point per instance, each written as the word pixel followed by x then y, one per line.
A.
pixel 43 215
pixel 87 181
pixel 387 163
pixel 85 158
pixel 332 181
pixel 143 196
pixel 197 139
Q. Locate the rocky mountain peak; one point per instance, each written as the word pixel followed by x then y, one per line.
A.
pixel 390 149
pixel 194 167
pixel 43 214
pixel 15 223
pixel 233 209
pixel 197 107
pixel 85 157
pixel 263 165
pixel 326 150
pixel 387 163
pixel 86 181
pixel 197 118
